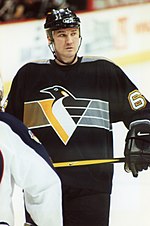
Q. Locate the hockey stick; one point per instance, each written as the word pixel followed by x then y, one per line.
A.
pixel 27 224
pixel 83 163
pixel 88 162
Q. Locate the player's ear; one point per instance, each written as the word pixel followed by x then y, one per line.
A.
pixel 49 39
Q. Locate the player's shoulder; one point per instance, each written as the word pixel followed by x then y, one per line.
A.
pixel 31 67
pixel 11 121
pixel 95 59
pixel 34 63
pixel 40 61
pixel 4 116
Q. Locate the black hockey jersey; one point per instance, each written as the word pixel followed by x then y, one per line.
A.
pixel 71 110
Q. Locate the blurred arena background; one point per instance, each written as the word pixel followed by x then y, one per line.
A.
pixel 115 29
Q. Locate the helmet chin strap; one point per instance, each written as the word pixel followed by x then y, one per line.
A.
pixel 61 61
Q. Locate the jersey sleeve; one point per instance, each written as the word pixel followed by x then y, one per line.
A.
pixel 127 103
pixel 41 185
pixel 15 98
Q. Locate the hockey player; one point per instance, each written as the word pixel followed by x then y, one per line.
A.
pixel 25 162
pixel 70 103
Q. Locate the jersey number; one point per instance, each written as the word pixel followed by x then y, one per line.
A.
pixel 137 100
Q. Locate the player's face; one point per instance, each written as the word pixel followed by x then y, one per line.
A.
pixel 66 43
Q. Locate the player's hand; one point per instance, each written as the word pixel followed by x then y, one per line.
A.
pixel 137 147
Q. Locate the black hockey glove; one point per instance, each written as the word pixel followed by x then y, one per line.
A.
pixel 137 147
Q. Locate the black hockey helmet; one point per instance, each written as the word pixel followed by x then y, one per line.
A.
pixel 61 18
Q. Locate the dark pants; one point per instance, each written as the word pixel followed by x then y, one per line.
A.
pixel 85 208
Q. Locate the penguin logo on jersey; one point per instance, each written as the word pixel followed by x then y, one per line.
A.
pixel 64 112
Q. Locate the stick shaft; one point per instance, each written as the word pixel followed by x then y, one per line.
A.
pixel 27 224
pixel 88 162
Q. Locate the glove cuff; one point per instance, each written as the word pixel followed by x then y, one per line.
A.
pixel 137 122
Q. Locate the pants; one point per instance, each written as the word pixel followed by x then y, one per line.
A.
pixel 84 207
